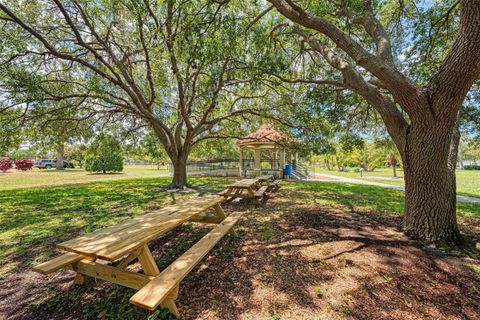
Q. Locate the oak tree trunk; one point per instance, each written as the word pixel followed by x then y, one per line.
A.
pixel 430 187
pixel 179 179
pixel 60 156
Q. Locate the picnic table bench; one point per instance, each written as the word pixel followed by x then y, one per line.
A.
pixel 248 188
pixel 129 240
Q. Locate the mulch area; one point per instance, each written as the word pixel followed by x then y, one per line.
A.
pixel 292 260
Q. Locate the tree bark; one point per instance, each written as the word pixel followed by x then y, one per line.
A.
pixel 430 186
pixel 60 156
pixel 179 179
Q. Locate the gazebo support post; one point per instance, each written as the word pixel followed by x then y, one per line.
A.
pixel 240 168
pixel 257 154
pixel 282 162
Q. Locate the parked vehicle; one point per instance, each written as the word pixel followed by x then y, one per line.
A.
pixel 67 164
pixel 51 163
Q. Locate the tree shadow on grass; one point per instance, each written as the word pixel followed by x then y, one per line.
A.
pixel 339 263
pixel 294 258
pixel 35 219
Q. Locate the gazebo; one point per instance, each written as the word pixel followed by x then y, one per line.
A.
pixel 270 144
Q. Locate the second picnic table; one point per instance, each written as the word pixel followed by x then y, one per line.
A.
pixel 248 188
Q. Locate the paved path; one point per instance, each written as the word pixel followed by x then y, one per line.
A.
pixel 332 178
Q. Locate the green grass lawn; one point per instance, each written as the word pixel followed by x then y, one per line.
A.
pixel 468 181
pixel 31 218
pixel 34 219
pixel 48 177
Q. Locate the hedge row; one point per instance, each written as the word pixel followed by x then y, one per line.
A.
pixel 472 167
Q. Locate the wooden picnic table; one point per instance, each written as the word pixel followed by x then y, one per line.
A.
pixel 129 240
pixel 247 188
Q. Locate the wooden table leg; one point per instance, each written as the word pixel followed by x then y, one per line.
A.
pixel 169 302
pixel 149 265
pixel 126 261
pixel 81 278
pixel 221 214
pixel 228 193
pixel 252 195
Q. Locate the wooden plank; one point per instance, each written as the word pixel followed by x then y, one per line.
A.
pixel 120 248
pixel 223 192
pixel 57 263
pixel 260 192
pixel 252 195
pixel 241 195
pixel 102 233
pixel 152 295
pixel 245 183
pixel 149 265
pixel 164 213
pixel 206 219
pixel 115 244
pixel 127 260
pixel 108 273
pixel 171 306
pixel 265 178
pixel 221 215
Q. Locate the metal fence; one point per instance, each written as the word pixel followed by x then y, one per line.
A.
pixel 231 167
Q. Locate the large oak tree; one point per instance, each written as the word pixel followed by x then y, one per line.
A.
pixel 177 66
pixel 420 117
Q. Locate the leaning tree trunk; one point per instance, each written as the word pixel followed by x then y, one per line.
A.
pixel 60 156
pixel 430 187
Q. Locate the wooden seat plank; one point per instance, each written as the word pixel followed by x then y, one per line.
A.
pixel 223 192
pixel 120 241
pixel 152 295
pixel 57 263
pixel 260 192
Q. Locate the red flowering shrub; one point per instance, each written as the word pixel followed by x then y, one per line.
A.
pixel 23 164
pixel 6 164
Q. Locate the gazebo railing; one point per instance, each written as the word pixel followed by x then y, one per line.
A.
pixel 210 165
pixel 264 164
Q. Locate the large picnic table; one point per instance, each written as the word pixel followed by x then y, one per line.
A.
pixel 248 188
pixel 127 241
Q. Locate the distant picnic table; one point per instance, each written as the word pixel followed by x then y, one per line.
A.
pixel 129 240
pixel 250 188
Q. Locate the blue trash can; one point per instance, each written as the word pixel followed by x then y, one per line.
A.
pixel 288 170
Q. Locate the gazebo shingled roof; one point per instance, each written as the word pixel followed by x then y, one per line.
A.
pixel 265 134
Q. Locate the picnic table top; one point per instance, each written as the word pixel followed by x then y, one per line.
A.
pixel 116 241
pixel 265 177
pixel 247 183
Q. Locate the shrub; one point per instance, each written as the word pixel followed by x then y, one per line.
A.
pixel 24 164
pixel 472 167
pixel 6 164
pixel 104 155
